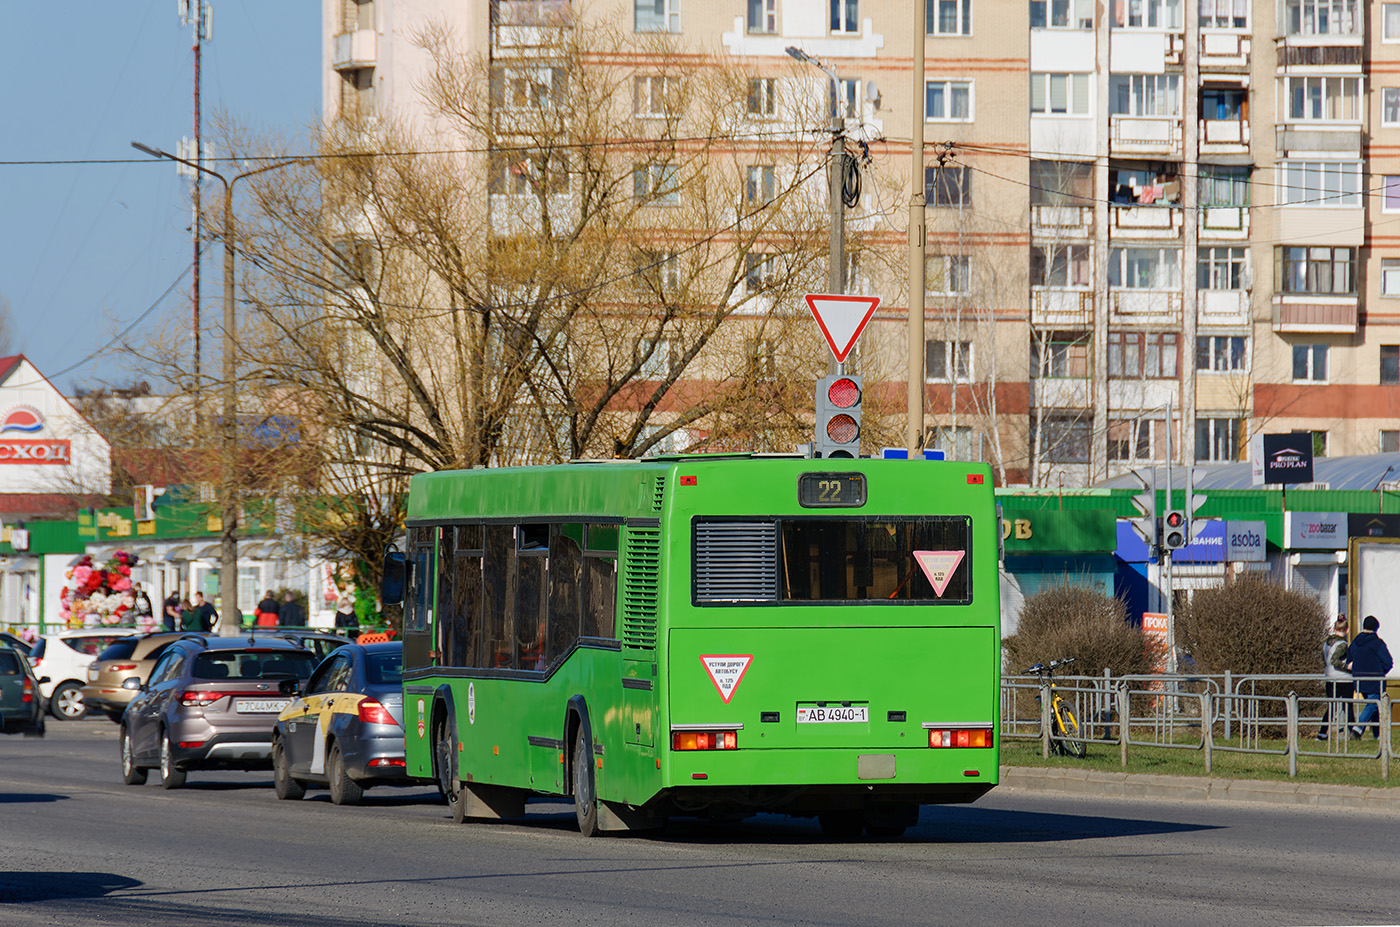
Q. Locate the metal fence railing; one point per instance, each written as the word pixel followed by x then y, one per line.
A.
pixel 1287 716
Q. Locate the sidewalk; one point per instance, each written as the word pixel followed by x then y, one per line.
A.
pixel 1193 788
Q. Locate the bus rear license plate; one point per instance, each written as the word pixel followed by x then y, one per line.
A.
pixel 261 705
pixel 833 714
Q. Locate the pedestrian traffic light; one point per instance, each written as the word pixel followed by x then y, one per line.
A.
pixel 838 416
pixel 1174 530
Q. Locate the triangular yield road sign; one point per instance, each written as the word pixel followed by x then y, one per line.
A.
pixel 939 566
pixel 842 318
pixel 726 671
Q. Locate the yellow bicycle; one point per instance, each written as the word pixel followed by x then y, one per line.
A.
pixel 1065 738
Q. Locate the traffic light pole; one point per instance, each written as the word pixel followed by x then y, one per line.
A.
pixel 1170 608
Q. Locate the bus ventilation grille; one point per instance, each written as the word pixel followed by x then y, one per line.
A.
pixel 660 493
pixel 642 568
pixel 736 561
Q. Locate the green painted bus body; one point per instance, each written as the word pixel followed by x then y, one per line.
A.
pixel 912 665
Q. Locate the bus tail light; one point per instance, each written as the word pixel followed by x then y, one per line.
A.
pixel 976 737
pixel 372 712
pixel 704 740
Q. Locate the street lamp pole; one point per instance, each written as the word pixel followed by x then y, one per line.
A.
pixel 230 616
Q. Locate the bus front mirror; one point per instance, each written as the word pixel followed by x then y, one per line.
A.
pixel 395 570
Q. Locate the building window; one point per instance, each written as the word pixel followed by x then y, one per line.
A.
pixel 656 184
pixel 957 442
pixel 1390 364
pixel 848 97
pixel 1061 183
pixel 523 173
pixel 845 16
pixel 1390 277
pixel 1218 439
pixel 1063 438
pixel 1390 441
pixel 528 89
pixel 1321 99
pixel 1063 354
pixel 760 270
pixel 948 186
pixel 1224 14
pixel 651 95
pixel 1061 265
pixel 1223 104
pixel 948 100
pixel 760 184
pixel 1315 271
pixel 763 16
pixel 1137 439
pixel 1390 22
pixel 1060 94
pixel 1318 440
pixel 657 15
pixel 1221 353
pixel 656 358
pixel 948 17
pixel 1145 94
pixel 1144 268
pixel 357 93
pixel 1390 199
pixel 1062 14
pixel 1322 17
pixel 657 272
pixel 1390 104
pixel 1147 14
pixel 947 274
pixel 1222 186
pixel 1310 362
pixel 1142 355
pixel 1221 268
pixel 946 360
pixel 763 96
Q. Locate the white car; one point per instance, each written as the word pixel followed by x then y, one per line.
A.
pixel 64 659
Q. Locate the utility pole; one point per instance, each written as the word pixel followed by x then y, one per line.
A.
pixel 199 16
pixel 914 428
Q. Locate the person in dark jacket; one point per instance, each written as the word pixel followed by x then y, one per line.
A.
pixel 268 610
pixel 346 621
pixel 289 613
pixel 1369 660
pixel 206 616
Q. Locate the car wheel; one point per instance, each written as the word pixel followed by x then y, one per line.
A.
pixel 287 788
pixel 67 702
pixel 170 776
pixel 131 773
pixel 585 792
pixel 344 790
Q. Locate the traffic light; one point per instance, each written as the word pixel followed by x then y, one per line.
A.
pixel 1174 531
pixel 1194 501
pixel 838 416
pixel 1146 523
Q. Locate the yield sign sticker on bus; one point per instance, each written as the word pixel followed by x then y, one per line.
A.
pixel 939 566
pixel 842 319
pixel 726 671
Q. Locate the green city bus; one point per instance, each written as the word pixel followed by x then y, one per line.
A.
pixel 704 636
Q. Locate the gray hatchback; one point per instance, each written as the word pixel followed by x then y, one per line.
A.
pixel 210 704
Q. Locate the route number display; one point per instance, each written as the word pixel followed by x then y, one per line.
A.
pixel 831 490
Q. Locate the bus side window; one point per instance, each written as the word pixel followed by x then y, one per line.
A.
pixel 600 581
pixel 464 647
pixel 565 573
pixel 498 596
pixel 532 557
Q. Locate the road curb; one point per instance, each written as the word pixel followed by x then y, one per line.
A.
pixel 1198 788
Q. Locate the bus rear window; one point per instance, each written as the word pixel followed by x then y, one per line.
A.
pixel 867 560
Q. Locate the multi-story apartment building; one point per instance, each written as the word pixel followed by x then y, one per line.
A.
pixel 1133 207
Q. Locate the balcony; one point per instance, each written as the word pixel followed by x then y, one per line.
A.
pixel 1145 51
pixel 352 50
pixel 1146 222
pixel 1231 222
pixel 1063 392
pixel 1145 135
pixel 1342 139
pixel 1334 52
pixel 1315 314
pixel 1225 51
pixel 1224 136
pixel 525 25
pixel 1061 308
pixel 1222 308
pixel 1131 306
pixel 1058 222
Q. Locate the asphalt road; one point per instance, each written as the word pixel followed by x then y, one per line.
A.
pixel 78 847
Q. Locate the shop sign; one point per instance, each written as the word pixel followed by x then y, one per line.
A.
pixel 1282 458
pixel 1208 545
pixel 43 451
pixel 1245 541
pixel 1315 530
pixel 1373 525
pixel 1035 531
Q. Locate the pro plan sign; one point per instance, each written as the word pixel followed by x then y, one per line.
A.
pixel 1283 459
pixel 16 447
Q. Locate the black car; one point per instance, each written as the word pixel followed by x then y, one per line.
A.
pixel 346 730
pixel 22 706
pixel 15 641
pixel 210 704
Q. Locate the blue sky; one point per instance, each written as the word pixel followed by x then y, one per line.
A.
pixel 86 249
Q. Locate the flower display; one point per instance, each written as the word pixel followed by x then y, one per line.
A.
pixel 96 595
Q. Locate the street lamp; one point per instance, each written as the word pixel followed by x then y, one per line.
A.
pixel 228 486
pixel 835 276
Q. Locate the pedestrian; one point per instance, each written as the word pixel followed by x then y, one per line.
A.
pixel 346 621
pixel 289 613
pixel 1338 680
pixel 206 616
pixel 143 601
pixel 1369 660
pixel 267 611
pixel 189 619
pixel 170 612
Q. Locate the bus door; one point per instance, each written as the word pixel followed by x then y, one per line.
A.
pixel 417 617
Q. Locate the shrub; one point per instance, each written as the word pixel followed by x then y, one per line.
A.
pixel 1253 625
pixel 1080 622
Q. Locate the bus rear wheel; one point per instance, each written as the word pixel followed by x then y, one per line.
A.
pixel 447 782
pixel 585 792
